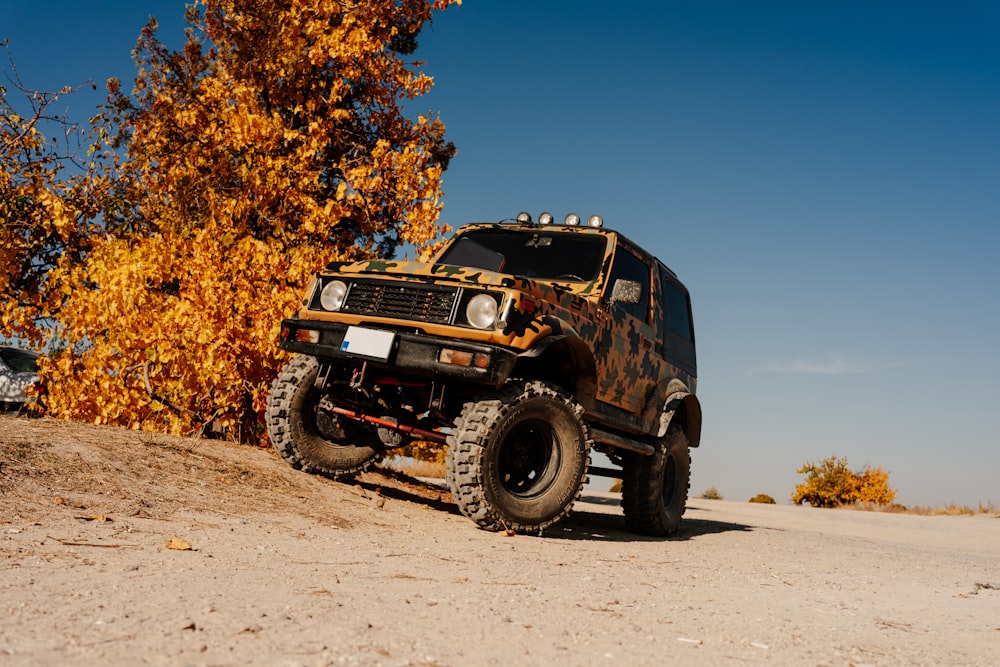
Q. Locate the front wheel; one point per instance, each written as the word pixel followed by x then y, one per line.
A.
pixel 309 438
pixel 517 459
pixel 655 488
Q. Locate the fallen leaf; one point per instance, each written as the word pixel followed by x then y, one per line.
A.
pixel 177 544
pixel 62 501
pixel 96 517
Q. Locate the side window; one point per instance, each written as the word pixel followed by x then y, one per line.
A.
pixel 629 267
pixel 678 334
pixel 678 317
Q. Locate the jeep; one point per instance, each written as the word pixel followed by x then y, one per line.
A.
pixel 522 346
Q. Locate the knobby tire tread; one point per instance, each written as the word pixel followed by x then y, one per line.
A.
pixel 280 412
pixel 467 442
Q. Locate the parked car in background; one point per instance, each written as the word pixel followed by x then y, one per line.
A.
pixel 18 371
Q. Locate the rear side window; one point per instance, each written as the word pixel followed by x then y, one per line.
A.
pixel 678 317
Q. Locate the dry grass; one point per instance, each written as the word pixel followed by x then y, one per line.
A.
pixel 952 509
pixel 956 510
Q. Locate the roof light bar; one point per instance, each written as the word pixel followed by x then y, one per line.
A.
pixel 571 219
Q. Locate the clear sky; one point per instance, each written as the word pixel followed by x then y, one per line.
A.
pixel 824 177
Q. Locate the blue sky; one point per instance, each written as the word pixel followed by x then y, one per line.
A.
pixel 824 177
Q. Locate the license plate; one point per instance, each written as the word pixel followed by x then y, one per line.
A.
pixel 368 342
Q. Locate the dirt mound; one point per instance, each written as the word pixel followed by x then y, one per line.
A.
pixel 46 463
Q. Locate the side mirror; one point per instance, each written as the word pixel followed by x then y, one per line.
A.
pixel 626 291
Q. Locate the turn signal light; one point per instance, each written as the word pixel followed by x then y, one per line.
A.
pixel 466 359
pixel 306 336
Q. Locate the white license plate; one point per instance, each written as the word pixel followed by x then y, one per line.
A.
pixel 368 342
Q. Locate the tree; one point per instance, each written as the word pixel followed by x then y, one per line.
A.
pixel 50 196
pixel 832 483
pixel 273 142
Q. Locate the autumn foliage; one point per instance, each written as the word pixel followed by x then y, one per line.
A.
pixel 832 484
pixel 273 142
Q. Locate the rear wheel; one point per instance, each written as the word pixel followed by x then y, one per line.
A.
pixel 308 437
pixel 518 459
pixel 655 488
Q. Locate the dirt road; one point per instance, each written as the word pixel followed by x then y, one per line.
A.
pixel 289 569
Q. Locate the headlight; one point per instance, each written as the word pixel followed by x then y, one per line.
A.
pixel 332 296
pixel 481 311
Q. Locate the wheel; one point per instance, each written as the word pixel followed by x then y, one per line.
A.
pixel 518 459
pixel 655 488
pixel 309 438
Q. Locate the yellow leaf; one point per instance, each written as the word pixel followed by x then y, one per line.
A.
pixel 178 544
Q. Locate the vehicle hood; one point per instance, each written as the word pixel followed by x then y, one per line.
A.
pixel 450 273
pixel 424 272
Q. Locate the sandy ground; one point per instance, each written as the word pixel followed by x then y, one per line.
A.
pixel 289 569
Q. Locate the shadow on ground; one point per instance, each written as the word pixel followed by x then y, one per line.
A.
pixel 580 525
pixel 584 525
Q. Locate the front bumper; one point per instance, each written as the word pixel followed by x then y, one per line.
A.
pixel 413 354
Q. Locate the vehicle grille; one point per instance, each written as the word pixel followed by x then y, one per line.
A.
pixel 412 302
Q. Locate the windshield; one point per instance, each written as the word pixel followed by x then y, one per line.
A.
pixel 530 254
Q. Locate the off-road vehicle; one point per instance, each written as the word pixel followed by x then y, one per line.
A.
pixel 522 346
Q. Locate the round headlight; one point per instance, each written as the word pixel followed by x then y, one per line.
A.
pixel 572 219
pixel 545 218
pixel 481 311
pixel 332 296
pixel 595 221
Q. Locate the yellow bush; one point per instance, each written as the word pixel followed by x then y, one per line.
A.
pixel 831 484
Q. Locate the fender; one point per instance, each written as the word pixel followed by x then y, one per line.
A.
pixel 685 407
pixel 569 360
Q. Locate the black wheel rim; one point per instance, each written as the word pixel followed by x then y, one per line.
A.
pixel 525 458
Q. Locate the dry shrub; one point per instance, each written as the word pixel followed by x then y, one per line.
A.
pixel 832 484
pixel 711 493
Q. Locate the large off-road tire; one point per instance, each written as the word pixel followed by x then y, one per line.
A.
pixel 517 459
pixel 655 488
pixel 341 450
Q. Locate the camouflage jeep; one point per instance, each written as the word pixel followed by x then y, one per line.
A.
pixel 522 346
